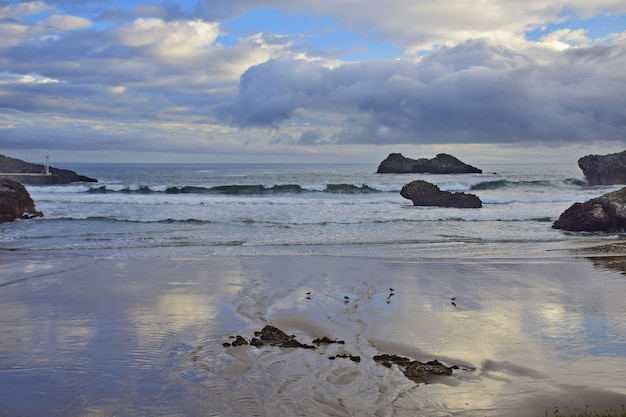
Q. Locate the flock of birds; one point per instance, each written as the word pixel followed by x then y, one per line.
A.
pixel 346 299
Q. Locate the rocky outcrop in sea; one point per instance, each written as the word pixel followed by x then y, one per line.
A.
pixel 423 193
pixel 57 175
pixel 606 213
pixel 15 202
pixel 604 169
pixel 443 163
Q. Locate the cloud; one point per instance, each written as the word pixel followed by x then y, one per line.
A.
pixel 178 39
pixel 476 92
pixel 156 69
pixel 15 30
pixel 86 75
pixel 22 9
pixel 418 25
pixel 66 23
pixel 564 38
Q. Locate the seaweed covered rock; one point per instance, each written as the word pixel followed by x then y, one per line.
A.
pixel 15 202
pixel 423 193
pixel 606 213
pixel 443 163
pixel 604 169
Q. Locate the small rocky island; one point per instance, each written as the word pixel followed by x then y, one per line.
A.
pixel 15 202
pixel 604 169
pixel 443 163
pixel 38 173
pixel 423 193
pixel 606 213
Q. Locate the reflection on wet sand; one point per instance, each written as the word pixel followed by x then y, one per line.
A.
pixel 617 263
pixel 146 337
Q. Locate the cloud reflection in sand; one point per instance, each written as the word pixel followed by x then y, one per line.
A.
pixel 121 331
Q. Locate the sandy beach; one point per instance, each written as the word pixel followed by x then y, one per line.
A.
pixel 145 337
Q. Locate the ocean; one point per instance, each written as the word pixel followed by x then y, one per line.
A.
pixel 269 209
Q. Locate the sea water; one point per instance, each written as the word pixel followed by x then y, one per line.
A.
pixel 252 209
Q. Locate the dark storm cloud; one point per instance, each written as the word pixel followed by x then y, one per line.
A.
pixel 474 92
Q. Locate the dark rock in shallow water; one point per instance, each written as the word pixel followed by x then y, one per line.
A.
pixel 415 370
pixel 57 175
pixel 15 202
pixel 606 213
pixel 326 341
pixel 240 341
pixel 604 169
pixel 271 335
pixel 443 163
pixel 422 370
pixel 353 358
pixel 423 193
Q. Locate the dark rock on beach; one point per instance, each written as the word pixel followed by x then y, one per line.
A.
pixel 353 358
pixel 15 202
pixel 415 370
pixel 606 213
pixel 443 163
pixel 326 341
pixel 412 369
pixel 423 193
pixel 273 336
pixel 422 370
pixel 57 175
pixel 604 169
pixel 240 341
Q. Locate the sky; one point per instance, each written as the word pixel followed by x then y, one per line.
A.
pixel 338 81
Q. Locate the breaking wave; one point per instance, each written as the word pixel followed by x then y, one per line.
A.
pixel 255 189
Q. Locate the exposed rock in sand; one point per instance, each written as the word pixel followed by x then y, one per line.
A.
pixel 423 193
pixel 271 336
pixel 412 369
pixel 443 163
pixel 415 370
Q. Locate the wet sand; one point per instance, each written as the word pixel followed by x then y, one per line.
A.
pixel 145 337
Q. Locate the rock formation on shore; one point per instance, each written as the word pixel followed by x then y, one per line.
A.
pixel 443 163
pixel 423 193
pixel 606 213
pixel 416 371
pixel 15 202
pixel 604 169
pixel 58 176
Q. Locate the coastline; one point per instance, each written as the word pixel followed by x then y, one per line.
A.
pixel 133 336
